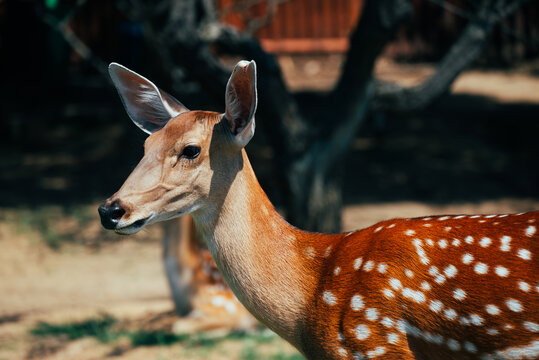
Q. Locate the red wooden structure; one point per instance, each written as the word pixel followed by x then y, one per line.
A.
pixel 296 26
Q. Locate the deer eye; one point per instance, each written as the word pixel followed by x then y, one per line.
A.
pixel 190 152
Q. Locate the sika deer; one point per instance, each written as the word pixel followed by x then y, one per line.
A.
pixel 461 287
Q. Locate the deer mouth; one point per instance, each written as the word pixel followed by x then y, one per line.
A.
pixel 134 227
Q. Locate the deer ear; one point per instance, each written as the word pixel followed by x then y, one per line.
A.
pixel 241 100
pixel 149 107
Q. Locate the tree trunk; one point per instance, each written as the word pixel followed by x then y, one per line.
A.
pixel 314 176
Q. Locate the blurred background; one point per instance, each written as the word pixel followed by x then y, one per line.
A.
pixel 368 110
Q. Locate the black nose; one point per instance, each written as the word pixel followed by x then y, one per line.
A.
pixel 110 215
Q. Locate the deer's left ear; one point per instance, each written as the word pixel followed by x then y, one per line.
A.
pixel 241 100
pixel 149 107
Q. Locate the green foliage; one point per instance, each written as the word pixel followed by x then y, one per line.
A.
pixel 106 330
pixel 51 4
pixel 153 338
pixel 99 328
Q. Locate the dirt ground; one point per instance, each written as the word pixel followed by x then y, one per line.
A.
pixel 99 277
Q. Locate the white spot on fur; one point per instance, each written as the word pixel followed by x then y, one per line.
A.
pixel 387 322
pixel 469 347
pixel 378 228
pixel 310 252
pixel 409 273
pixel 531 326
pixel 327 252
pixel 435 305
pixel 501 271
pixel 329 298
pixel 382 268
pixel 337 270
pixel 524 254
pixel 439 279
pixel 529 351
pixel 342 351
pixel 455 242
pixel 409 232
pixel 450 314
pixel 371 314
pixel 362 332
pixel 481 268
pixel 467 258
pixel 402 326
pixel 427 225
pixel 442 243
pixel 505 243
pixel 357 303
pixel 443 218
pixel 530 230
pixel 430 242
pixel 433 270
pixel 475 216
pixel 469 240
pixel 459 294
pixel 395 284
pixel 492 331
pixel 485 242
pixel 447 228
pixel 380 350
pixel 453 344
pixel 492 309
pixel 369 265
pixel 391 226
pixel 388 293
pixel 514 305
pixel 476 320
pixel 420 252
pixel 357 263
pixel 416 296
pixel 524 286
pixel 450 271
pixel 392 338
pixel 425 286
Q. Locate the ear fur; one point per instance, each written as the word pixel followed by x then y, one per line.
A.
pixel 241 100
pixel 149 107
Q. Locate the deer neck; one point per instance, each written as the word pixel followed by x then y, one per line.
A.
pixel 260 255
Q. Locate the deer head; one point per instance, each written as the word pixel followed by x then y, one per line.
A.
pixel 189 158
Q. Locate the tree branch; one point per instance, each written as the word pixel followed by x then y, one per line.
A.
pixel 461 55
pixel 62 27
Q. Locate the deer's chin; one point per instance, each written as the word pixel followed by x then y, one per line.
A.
pixel 135 226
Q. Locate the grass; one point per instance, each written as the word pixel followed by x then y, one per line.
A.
pixel 108 330
pixel 99 328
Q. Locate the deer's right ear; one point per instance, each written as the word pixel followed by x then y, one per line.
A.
pixel 241 100
pixel 149 107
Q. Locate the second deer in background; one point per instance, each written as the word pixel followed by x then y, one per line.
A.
pixel 201 297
